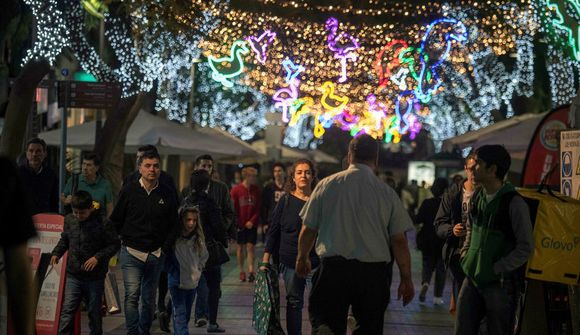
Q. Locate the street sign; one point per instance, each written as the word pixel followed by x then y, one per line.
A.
pixel 88 94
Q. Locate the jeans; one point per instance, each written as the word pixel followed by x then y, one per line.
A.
pixel 201 305
pixel 294 298
pixel 75 290
pixel 497 302
pixel 434 263
pixel 141 280
pixel 182 302
pixel 213 277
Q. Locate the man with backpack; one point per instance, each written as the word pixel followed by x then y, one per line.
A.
pixel 499 241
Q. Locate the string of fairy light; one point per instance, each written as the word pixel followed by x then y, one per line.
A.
pixel 474 79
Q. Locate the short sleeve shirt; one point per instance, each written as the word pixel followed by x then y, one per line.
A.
pixel 100 190
pixel 355 214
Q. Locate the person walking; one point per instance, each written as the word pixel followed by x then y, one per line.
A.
pixel 451 221
pixel 39 180
pixel 146 219
pixel 283 239
pixel 430 244
pixel 355 219
pixel 185 262
pixel 246 199
pixel 220 194
pixel 214 232
pixel 498 243
pixel 90 243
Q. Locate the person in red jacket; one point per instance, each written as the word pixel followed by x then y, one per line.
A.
pixel 246 199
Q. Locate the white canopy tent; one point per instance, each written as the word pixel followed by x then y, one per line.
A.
pixel 291 154
pixel 514 134
pixel 169 137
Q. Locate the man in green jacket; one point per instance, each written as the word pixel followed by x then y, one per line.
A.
pixel 498 243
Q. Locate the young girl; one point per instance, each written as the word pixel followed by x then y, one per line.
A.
pixel 184 266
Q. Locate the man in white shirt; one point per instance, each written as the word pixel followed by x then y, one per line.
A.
pixel 357 219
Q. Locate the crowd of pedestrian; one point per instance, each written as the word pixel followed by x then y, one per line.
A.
pixel 341 234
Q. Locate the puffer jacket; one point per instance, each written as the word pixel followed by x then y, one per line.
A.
pixel 86 239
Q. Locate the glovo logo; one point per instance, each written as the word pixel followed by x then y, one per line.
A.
pixel 554 244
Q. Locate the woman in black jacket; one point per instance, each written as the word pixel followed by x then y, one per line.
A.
pixel 283 239
pixel 431 245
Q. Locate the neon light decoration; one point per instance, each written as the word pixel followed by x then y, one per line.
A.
pixel 260 44
pixel 566 18
pixel 377 111
pixel 301 106
pixel 285 97
pixel 226 68
pixel 292 70
pixel 458 32
pixel 95 7
pixel 390 51
pixel 342 51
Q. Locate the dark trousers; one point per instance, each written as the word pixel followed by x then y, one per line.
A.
pixel 457 274
pixel 213 277
pixel 339 283
pixel 434 263
pixel 201 305
pixel 162 287
pixel 497 302
pixel 75 290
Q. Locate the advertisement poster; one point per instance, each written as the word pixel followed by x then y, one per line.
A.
pixel 543 154
pixel 570 166
pixel 49 227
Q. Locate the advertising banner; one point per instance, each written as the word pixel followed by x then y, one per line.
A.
pixel 48 227
pixel 570 166
pixel 544 153
pixel 556 256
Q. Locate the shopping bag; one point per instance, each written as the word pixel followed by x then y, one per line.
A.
pixel 112 294
pixel 266 314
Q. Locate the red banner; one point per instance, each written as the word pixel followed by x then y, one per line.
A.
pixel 544 151
pixel 48 227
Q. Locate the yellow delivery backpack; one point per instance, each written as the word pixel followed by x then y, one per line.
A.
pixel 556 220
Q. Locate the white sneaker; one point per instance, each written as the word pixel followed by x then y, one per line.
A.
pixel 438 301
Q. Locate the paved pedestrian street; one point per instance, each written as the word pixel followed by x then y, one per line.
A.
pixel 235 310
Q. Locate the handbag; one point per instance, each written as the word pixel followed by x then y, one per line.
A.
pixel 217 254
pixel 266 306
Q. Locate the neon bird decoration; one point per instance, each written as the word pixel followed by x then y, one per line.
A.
pixel 432 59
pixel 292 70
pixel 342 51
pixel 331 101
pixel 260 44
pixel 285 97
pixel 234 64
pixel 393 50
pixel 301 106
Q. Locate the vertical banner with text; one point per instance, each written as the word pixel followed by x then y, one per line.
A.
pixel 570 166
pixel 49 227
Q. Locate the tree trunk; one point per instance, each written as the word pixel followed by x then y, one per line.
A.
pixel 19 106
pixel 111 143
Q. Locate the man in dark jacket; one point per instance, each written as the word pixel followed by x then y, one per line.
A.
pixel 146 219
pixel 451 221
pixel 90 245
pixel 40 181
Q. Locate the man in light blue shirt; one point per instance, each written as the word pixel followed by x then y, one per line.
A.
pixel 357 219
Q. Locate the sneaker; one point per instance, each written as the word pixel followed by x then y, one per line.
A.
pixel 164 322
pixel 215 328
pixel 201 322
pixel 251 277
pixel 423 292
pixel 438 301
pixel 242 276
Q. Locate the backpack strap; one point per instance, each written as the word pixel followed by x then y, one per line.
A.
pixel 502 217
